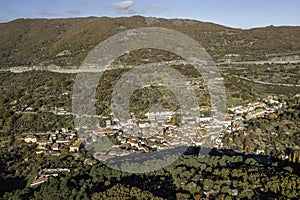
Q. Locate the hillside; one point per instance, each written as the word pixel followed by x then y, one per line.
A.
pixel 66 42
pixel 43 154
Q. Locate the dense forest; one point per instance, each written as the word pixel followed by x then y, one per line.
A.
pixel 214 176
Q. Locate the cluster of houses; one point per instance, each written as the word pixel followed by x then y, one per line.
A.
pixel 157 133
pixel 257 109
pixel 154 134
pixel 264 108
pixel 53 143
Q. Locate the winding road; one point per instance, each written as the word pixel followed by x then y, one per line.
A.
pixel 220 64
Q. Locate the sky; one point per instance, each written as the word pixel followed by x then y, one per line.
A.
pixel 234 13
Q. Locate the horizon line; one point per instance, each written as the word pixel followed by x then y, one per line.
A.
pixel 2 21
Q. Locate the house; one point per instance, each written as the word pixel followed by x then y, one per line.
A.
pixel 54 153
pixel 39 181
pixel 133 138
pixel 151 116
pixel 140 147
pixel 43 143
pixel 204 119
pixel 62 140
pixel 76 146
pixel 122 139
pixel 116 127
pixel 257 105
pixel 143 124
pixel 256 113
pixel 55 147
pixel 108 123
pixel 30 138
pixel 64 130
pixel 133 143
pixel 188 120
pixel 226 121
pixel 53 137
pixel 40 152
pixel 259 151
pixel 234 192
pixel 162 116
pixel 199 143
pixel 62 113
pixel 242 111
pixel 29 109
pixel 107 131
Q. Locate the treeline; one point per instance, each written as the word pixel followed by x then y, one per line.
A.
pixel 227 177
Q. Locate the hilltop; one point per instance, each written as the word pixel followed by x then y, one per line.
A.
pixel 66 42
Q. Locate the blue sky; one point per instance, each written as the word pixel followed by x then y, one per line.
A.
pixel 234 13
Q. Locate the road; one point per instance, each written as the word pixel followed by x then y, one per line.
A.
pixel 220 64
pixel 74 71
pixel 260 62
pixel 265 83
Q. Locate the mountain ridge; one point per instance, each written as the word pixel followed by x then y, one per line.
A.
pixel 67 41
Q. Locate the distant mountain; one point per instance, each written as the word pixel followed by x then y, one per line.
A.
pixel 66 42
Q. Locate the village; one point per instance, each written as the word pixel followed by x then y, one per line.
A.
pixel 156 133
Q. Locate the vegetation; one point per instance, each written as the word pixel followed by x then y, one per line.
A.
pixel 30 102
pixel 189 177
pixel 277 134
pixel 66 42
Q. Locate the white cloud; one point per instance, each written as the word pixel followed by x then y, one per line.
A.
pixel 128 7
pixel 124 7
